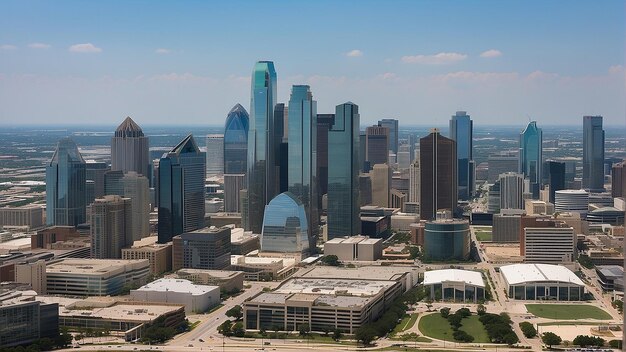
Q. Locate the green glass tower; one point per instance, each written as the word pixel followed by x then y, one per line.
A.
pixel 530 156
pixel 66 186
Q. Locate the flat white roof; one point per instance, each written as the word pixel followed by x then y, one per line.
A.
pixel 516 274
pixel 474 278
pixel 177 285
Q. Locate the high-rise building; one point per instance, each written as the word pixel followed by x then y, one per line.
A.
pixel 414 181
pixel 261 154
pixel 134 186
pixel 214 155
pixel 377 145
pixel 493 198
pixel 235 156
pixel 392 125
pixel 364 165
pixel 618 180
pixel 129 149
pixel 501 163
pixel 281 148
pixel 66 186
pixel 95 179
pixel 343 172
pixel 511 191
pixel 206 248
pixel 462 132
pixel 593 154
pixel 447 239
pixel 233 184
pixel 554 172
pixel 403 157
pixel 181 190
pixel 324 124
pixel 381 185
pixel 302 160
pixel 531 156
pixel 555 244
pixel 285 226
pixel 111 223
pixel 437 174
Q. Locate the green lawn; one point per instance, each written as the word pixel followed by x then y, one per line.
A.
pixel 435 326
pixel 407 322
pixel 567 311
pixel 482 235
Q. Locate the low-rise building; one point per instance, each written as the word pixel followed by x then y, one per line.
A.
pixel 207 248
pixel 27 216
pixel 455 285
pixel 243 242
pixel 44 238
pixel 158 254
pixel 263 268
pixel 355 248
pixel 195 298
pixel 542 282
pixel 228 281
pixel 24 320
pixel 610 277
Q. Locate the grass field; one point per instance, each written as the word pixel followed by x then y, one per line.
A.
pixel 567 311
pixel 435 326
pixel 407 322
pixel 483 235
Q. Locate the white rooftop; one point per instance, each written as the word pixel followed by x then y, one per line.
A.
pixel 177 285
pixel 454 275
pixel 516 274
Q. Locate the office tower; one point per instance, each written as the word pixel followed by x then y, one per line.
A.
pixel 530 156
pixel 261 154
pixel 511 191
pixel 343 172
pixel 555 177
pixel 181 190
pixel 462 132
pixel 324 124
pixel 281 148
pixel 381 185
pixel 618 180
pixel 111 222
pixel 113 183
pixel 447 239
pixel 438 184
pixel 403 157
pixel 397 199
pixel 493 198
pixel 414 182
pixel 377 145
pixel 364 165
pixel 206 248
pixel 593 154
pixel 95 173
pixel 365 189
pixel 501 163
pixel 235 156
pixel 302 158
pixel 506 226
pixel 392 125
pixel 549 245
pixel 214 155
pixel 129 149
pixel 66 186
pixel 571 200
pixel 285 226
pixel 136 188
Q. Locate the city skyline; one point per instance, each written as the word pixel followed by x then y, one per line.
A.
pixel 514 72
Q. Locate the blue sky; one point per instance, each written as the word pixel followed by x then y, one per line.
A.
pixel 189 62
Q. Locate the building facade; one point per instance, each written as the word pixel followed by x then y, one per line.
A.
pixel 511 191
pixel 531 156
pixel 377 145
pixel 285 225
pixel 207 248
pixel 66 186
pixel 129 149
pixel 462 132
pixel 447 239
pixel 593 153
pixel 214 155
pixel 235 157
pixel 111 227
pixel 438 176
pixel 392 125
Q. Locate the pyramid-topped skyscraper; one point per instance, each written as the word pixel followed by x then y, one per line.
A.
pixel 129 149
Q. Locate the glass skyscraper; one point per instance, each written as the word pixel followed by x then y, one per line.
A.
pixel 236 141
pixel 214 155
pixel 343 172
pixel 593 154
pixel 461 131
pixel 261 144
pixel 66 186
pixel 438 188
pixel 302 152
pixel 181 190
pixel 392 125
pixel 285 226
pixel 530 156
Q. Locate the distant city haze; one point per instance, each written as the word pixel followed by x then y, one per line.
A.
pixel 416 61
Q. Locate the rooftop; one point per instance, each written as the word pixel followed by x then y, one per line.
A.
pixel 177 285
pixel 222 274
pixel 334 286
pixel 92 266
pixel 611 271
pixel 454 275
pixel 522 273
pixel 370 272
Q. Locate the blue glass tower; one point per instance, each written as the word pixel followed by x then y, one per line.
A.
pixel 302 152
pixel 66 186
pixel 285 226
pixel 392 125
pixel 593 154
pixel 236 141
pixel 343 172
pixel 462 131
pixel 181 190
pixel 530 156
pixel 261 144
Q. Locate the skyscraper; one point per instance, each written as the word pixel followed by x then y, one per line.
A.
pixel 414 181
pixel 531 156
pixel 302 155
pixel 555 176
pixel 181 190
pixel 511 191
pixel 381 185
pixel 392 125
pixel 214 155
pixel 281 147
pixel 95 179
pixel 261 154
pixel 235 156
pixel 137 190
pixel 324 124
pixel 111 223
pixel 343 172
pixel 285 225
pixel 437 174
pixel 462 132
pixel 377 145
pixel 129 149
pixel 65 186
pixel 593 154
pixel 618 180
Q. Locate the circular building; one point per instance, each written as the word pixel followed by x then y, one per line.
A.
pixel 447 239
pixel 606 215
pixel 455 285
pixel 542 282
pixel 571 200
pixel 285 227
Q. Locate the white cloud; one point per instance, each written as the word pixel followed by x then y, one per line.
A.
pixel 388 76
pixel 436 59
pixel 38 46
pixel 354 53
pixel 491 53
pixel 7 47
pixel 162 51
pixel 85 48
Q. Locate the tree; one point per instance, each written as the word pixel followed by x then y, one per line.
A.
pixel 337 335
pixel 238 330
pixel 444 312
pixel 262 332
pixel 365 334
pixel 235 312
pixel 304 329
pixel 64 339
pixel 528 329
pixel 331 260
pixel 584 341
pixel 463 312
pixel 225 328
pixel 551 339
pixel 481 309
pixel 326 330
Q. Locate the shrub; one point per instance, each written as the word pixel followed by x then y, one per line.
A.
pixel 528 329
